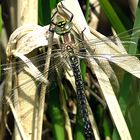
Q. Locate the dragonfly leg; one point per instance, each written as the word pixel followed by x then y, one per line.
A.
pixel 82 44
pixel 71 17
pixel 82 33
pixel 98 98
pixel 53 16
pixel 51 29
pixel 52 23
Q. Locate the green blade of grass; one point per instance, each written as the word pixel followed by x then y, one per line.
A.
pixel 112 16
pixel 125 87
pixel 133 49
pixel 119 28
pixel 44 12
pixel 79 130
pixel 53 3
pixel 125 19
pixel 127 80
pixel 87 10
pixel 82 63
pixel 56 115
pixel 126 99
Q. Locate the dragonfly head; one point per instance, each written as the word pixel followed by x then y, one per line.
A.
pixel 62 27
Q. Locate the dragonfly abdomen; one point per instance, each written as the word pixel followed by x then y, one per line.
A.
pixel 81 99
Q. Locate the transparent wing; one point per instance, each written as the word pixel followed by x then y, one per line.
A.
pixel 101 50
pixel 39 62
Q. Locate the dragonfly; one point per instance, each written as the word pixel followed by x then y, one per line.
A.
pixel 71 50
pixel 63 29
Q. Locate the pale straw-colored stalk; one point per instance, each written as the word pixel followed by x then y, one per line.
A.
pixel 27 12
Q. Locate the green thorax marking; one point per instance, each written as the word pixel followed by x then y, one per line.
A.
pixel 62 27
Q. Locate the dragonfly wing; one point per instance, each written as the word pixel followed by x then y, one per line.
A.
pixel 106 67
pixel 32 68
pixel 106 47
pixel 128 63
pixel 122 41
pixel 105 85
pixel 116 54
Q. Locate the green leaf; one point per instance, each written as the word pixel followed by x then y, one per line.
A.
pixel 135 35
pixel 127 81
pixel 44 12
pixel 112 16
pixel 56 115
pixel 127 84
pixel 123 16
pixel 79 130
pixel 53 3
pixel 87 10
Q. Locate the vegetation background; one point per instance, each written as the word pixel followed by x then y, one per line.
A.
pixel 103 15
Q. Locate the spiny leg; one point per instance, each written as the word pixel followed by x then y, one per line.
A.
pixel 71 17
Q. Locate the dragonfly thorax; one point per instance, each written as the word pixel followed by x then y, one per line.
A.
pixel 62 27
